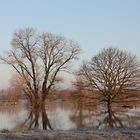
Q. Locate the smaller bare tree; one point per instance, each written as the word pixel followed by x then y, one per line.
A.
pixel 111 72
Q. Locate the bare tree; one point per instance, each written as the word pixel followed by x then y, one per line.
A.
pixel 111 72
pixel 38 59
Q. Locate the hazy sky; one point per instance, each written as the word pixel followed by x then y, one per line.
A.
pixel 95 24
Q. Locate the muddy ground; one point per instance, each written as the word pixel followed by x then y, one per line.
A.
pixel 72 135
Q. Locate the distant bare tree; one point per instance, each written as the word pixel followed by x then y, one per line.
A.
pixel 38 59
pixel 111 72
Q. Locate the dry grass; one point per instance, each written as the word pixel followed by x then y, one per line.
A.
pixel 72 135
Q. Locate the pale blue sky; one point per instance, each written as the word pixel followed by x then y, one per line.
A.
pixel 95 24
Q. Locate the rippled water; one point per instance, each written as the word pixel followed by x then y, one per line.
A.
pixel 66 115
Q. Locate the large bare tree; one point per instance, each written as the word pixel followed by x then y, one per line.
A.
pixel 111 72
pixel 38 59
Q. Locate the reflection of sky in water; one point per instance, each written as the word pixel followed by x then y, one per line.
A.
pixel 66 118
pixel 10 121
pixel 61 119
pixel 133 112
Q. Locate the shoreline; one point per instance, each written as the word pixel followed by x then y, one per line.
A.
pixel 122 134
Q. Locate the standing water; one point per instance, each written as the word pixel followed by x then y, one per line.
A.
pixel 66 115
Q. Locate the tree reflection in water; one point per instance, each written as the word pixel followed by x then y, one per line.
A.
pixel 117 119
pixel 98 118
pixel 82 116
pixel 110 120
pixel 37 119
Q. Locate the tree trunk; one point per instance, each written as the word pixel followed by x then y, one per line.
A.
pixel 45 120
pixel 36 103
pixel 80 115
pixel 108 106
pixel 43 101
pixel 110 121
pixel 38 111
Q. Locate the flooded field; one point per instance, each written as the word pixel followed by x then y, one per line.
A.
pixel 66 115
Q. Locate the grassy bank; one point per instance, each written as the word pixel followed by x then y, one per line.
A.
pixel 72 135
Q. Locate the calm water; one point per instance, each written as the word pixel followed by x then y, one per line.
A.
pixel 66 115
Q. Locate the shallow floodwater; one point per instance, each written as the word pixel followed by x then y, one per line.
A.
pixel 67 115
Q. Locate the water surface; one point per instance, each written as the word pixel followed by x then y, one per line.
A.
pixel 67 115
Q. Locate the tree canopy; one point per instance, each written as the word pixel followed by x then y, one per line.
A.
pixel 111 72
pixel 38 58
